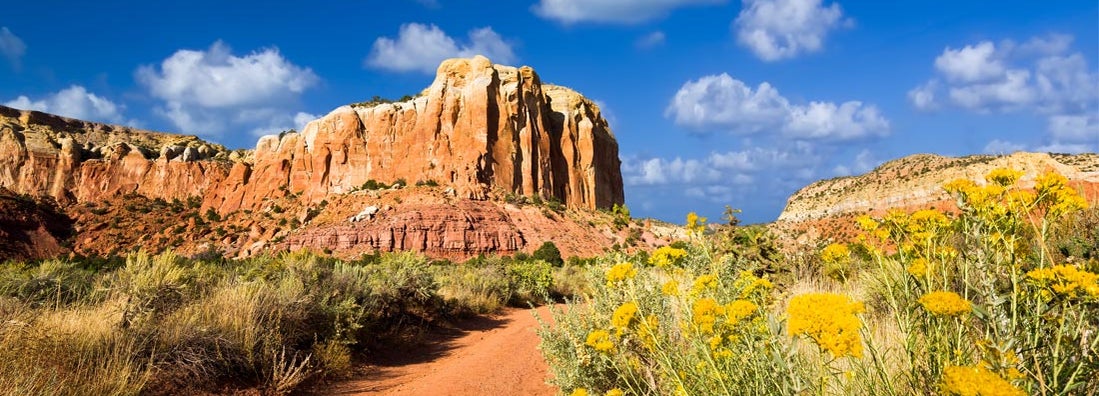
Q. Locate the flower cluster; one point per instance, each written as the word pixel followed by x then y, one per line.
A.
pixel 829 319
pixel 695 223
pixel 620 272
pixel 976 381
pixel 1066 281
pixel 600 340
pixel 945 303
pixel 667 256
pixel 624 316
pixel 1055 195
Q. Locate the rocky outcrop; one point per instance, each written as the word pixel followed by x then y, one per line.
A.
pixel 479 131
pixel 916 181
pixel 458 230
pixel 477 128
pixel 31 228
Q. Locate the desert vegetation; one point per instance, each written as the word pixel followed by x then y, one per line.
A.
pixel 163 323
pixel 998 298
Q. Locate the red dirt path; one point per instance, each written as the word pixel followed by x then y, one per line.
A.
pixel 494 355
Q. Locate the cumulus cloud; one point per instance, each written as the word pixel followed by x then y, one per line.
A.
pixel 781 29
pixel 213 91
pixel 722 102
pixel 718 168
pixel 11 46
pixel 1042 76
pixel 863 162
pixel 74 102
pixel 611 11
pixel 651 40
pixel 420 47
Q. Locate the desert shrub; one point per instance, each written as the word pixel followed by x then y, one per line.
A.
pixel 549 253
pixel 983 301
pixel 531 281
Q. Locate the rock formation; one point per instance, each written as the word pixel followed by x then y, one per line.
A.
pixel 478 127
pixel 917 180
pixel 479 131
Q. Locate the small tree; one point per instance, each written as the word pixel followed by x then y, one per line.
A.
pixel 549 253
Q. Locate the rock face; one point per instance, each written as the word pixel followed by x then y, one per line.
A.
pixel 478 127
pixel 916 181
pixel 479 131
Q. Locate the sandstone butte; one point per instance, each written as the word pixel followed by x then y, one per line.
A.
pixel 480 130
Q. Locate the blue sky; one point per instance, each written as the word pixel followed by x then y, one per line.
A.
pixel 714 102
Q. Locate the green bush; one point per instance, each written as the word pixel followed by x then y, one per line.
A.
pixel 549 253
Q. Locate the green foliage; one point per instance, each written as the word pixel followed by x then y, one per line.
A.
pixel 427 183
pixel 549 253
pixel 212 215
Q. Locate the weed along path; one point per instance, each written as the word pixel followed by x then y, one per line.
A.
pixel 496 355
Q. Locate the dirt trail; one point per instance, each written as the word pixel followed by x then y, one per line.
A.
pixel 495 355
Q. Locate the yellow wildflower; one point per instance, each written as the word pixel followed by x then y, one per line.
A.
pixel 666 256
pixel 918 267
pixel 751 285
pixel 600 340
pixel 740 309
pixel 704 314
pixel 695 223
pixel 976 381
pixel 829 319
pixel 945 303
pixel 614 392
pixel 624 316
pixel 1055 195
pixel 835 254
pixel 670 288
pixel 867 223
pixel 704 282
pixel 620 272
pixel 647 331
pixel 579 392
pixel 1003 176
pixel 1066 281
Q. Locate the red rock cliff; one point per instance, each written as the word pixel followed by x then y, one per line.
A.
pixel 478 127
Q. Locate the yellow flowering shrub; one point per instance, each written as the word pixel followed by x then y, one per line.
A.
pixel 919 267
pixel 1066 281
pixel 620 272
pixel 695 223
pixel 976 381
pixel 739 310
pixel 624 316
pixel 704 313
pixel 1056 196
pixel 670 288
pixel 579 392
pixel 1003 176
pixel 667 256
pixel 829 319
pixel 703 283
pixel 600 340
pixel 614 392
pixel 945 303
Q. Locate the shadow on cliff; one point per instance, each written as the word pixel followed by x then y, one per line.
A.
pixel 32 229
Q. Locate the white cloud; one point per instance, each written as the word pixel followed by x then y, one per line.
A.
pixel 1040 76
pixel 74 102
pixel 611 11
pixel 210 92
pixel 421 48
pixel 651 40
pixel 923 96
pixel 1074 128
pixel 782 29
pixel 722 102
pixel 279 122
pixel 733 167
pixel 864 162
pixel 969 64
pixel 11 46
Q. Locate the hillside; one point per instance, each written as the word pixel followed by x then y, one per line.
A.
pixel 485 160
pixel 828 207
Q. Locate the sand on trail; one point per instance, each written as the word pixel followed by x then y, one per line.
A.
pixel 493 355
